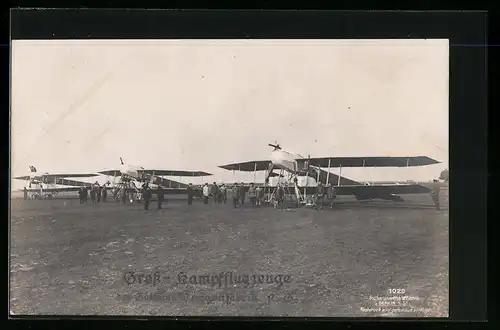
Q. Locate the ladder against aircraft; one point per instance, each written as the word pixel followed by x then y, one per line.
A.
pixel 292 166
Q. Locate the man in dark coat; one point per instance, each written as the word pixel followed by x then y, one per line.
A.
pixel 25 193
pixel 243 192
pixel 160 195
pixel 236 195
pixel 215 192
pixel 81 195
pixel 224 193
pixel 146 195
pixel 104 194
pixel 190 194
pixel 252 194
pixel 85 194
pixel 320 193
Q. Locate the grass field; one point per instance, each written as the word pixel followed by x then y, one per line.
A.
pixel 71 259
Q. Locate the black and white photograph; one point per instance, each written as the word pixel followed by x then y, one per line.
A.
pixel 256 177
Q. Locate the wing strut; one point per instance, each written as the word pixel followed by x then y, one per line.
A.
pixel 340 175
pixel 254 171
pixel 328 174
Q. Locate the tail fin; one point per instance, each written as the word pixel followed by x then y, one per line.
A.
pixel 32 168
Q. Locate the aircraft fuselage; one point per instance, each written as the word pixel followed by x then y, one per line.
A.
pixel 287 161
pixel 134 173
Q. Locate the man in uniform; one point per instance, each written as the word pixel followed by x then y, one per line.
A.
pixel 81 193
pixel 92 194
pixel 206 193
pixel 190 193
pixel 160 195
pixel 26 194
pixel 252 194
pixel 235 191
pixel 85 194
pixel 243 192
pixel 224 193
pixel 281 196
pixel 104 194
pixel 320 193
pixel 436 187
pixel 146 195
pixel 123 194
pixel 258 190
pixel 215 192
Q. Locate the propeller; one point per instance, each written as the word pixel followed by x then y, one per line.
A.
pixel 276 146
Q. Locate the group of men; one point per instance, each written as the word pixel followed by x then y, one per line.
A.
pixel 239 193
pixel 98 193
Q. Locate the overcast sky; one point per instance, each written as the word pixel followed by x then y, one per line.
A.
pixel 79 105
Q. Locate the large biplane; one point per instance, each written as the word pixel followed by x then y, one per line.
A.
pixel 47 185
pixel 293 166
pixel 129 175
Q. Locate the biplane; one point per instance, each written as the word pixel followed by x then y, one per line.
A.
pixel 292 166
pixel 47 185
pixel 129 175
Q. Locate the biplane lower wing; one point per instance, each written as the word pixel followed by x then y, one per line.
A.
pixel 375 191
pixel 166 183
pixel 53 190
pixel 197 192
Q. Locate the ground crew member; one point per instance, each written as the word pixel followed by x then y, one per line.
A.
pixel 320 193
pixel 25 194
pixel 224 194
pixel 123 194
pixel 243 192
pixel 206 193
pixel 85 194
pixel 92 194
pixel 281 196
pixel 215 192
pixel 258 190
pixel 252 194
pixel 104 194
pixel 190 193
pixel 334 196
pixel 81 193
pixel 436 187
pixel 99 192
pixel 160 195
pixel 146 194
pixel 235 191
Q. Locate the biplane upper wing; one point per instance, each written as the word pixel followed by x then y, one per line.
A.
pixel 175 173
pixel 24 178
pixel 369 161
pixel 260 165
pixel 111 172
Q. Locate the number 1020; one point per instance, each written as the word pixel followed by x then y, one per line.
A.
pixel 397 291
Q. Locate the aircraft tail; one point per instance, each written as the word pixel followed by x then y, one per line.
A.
pixel 32 169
